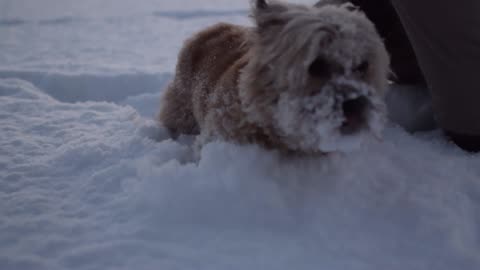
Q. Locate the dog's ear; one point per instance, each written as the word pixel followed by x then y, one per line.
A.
pixel 268 12
pixel 261 4
pixel 339 3
pixel 322 3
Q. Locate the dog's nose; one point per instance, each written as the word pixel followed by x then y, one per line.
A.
pixel 354 106
pixel 354 111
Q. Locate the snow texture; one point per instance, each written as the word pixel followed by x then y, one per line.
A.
pixel 88 181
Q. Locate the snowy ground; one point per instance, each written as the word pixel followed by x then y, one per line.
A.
pixel 84 186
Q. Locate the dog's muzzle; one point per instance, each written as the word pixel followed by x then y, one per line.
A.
pixel 354 104
pixel 355 113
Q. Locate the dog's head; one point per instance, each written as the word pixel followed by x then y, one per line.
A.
pixel 317 75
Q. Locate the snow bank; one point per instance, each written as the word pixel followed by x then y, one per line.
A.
pixel 80 87
pixel 94 186
pixel 139 90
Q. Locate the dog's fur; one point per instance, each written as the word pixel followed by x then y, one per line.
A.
pixel 283 82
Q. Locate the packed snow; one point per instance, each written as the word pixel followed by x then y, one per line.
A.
pixel 88 180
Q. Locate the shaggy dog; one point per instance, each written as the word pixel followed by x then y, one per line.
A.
pixel 303 80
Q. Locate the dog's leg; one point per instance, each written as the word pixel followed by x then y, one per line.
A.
pixel 176 112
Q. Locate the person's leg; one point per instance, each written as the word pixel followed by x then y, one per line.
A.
pixel 409 103
pixel 403 60
pixel 446 38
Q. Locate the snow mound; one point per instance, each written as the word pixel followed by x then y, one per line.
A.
pixel 140 90
pixel 93 185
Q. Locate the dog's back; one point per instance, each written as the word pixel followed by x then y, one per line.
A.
pixel 203 61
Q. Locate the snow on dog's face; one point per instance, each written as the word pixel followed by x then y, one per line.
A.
pixel 317 76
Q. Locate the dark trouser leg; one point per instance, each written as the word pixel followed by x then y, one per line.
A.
pixel 403 60
pixel 446 38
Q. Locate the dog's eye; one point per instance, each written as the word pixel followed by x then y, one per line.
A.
pixel 319 68
pixel 362 68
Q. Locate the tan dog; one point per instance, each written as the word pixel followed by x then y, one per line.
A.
pixel 303 79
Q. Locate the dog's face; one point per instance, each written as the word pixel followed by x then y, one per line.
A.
pixel 317 76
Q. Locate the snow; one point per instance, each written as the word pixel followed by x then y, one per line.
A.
pixel 89 181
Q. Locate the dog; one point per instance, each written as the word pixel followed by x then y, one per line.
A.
pixel 303 79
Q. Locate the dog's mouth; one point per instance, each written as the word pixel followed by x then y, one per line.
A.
pixel 338 118
pixel 355 115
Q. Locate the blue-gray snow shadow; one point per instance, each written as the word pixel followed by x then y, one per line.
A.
pixel 9 22
pixel 174 14
pixel 65 20
pixel 139 90
pixel 193 14
pixel 61 20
